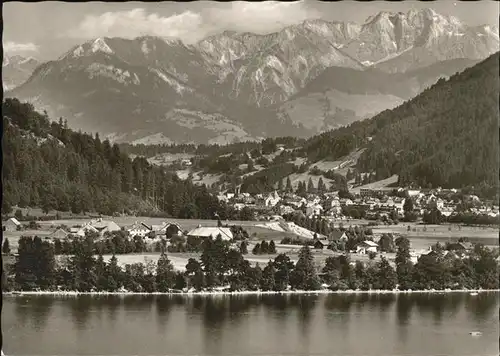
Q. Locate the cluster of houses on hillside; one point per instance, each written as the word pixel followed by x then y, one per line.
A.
pixel 373 203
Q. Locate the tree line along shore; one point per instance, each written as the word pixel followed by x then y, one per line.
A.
pixel 223 267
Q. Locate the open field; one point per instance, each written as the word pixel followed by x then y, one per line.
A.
pixel 376 185
pixel 198 177
pixel 438 231
pixel 179 260
pixel 165 159
pixel 295 178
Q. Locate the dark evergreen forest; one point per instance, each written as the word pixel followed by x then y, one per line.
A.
pixel 48 165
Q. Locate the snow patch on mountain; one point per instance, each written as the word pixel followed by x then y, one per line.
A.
pixel 274 62
pixel 178 87
pixel 136 80
pixel 109 71
pixel 100 44
pixel 78 51
pixel 492 31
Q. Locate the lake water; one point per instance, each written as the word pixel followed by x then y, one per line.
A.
pixel 330 325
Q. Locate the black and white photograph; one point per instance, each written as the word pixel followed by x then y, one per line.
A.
pixel 274 178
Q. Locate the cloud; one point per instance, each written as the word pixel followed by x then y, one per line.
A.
pixel 192 26
pixel 136 22
pixel 12 47
pixel 261 17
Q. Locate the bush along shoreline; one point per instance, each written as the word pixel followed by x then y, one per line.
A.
pixel 222 269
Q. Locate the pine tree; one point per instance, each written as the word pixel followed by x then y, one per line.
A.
pixel 179 281
pixel 288 185
pixel 6 247
pixel 101 273
pixel 267 282
pixel 404 266
pixel 310 186
pixel 331 271
pixel 387 278
pixel 114 275
pixel 280 185
pixel 45 264
pixel 304 275
pixel 283 266
pixel 244 248
pixel 148 280
pixel 25 267
pixel 271 248
pixel 195 275
pixel 321 186
pixel 408 205
pixel 264 247
pixel 82 263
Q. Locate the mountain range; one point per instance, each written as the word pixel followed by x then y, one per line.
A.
pixel 16 70
pixel 305 79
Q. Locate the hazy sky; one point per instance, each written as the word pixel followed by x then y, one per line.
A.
pixel 47 29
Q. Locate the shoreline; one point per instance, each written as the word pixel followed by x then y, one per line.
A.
pixel 224 293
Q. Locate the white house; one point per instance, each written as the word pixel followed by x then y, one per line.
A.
pixel 345 202
pixel 334 211
pixel 337 235
pixel 84 229
pixel 96 226
pixel 186 162
pixel 272 199
pixel 138 229
pixel 315 209
pixel 213 232
pixel 59 234
pixel 11 225
pixel 285 209
pixel 165 229
pixel 366 247
pixel 413 192
pixel 398 204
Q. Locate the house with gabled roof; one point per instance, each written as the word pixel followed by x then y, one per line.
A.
pixel 82 231
pixel 59 234
pixel 104 226
pixel 138 229
pixel 212 232
pixel 366 247
pixel 337 235
pixel 11 224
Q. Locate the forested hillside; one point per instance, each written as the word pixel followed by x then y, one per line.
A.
pixel 447 136
pixel 47 165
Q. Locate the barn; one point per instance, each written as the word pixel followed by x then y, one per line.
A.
pixel 213 232
pixel 11 225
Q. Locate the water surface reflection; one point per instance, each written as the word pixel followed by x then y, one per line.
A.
pixel 336 324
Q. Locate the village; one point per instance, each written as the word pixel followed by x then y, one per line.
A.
pixel 328 223
pixel 371 204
